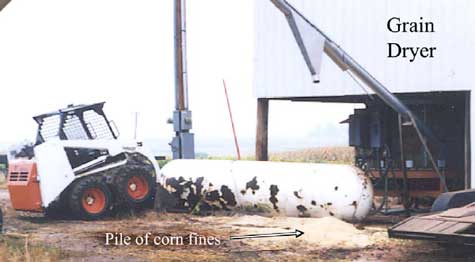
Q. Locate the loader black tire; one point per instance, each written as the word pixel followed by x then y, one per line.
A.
pixel 90 198
pixel 57 210
pixel 135 186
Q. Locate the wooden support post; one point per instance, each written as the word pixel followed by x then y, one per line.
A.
pixel 261 130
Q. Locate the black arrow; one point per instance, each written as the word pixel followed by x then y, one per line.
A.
pixel 297 233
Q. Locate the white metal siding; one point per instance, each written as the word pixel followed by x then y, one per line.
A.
pixel 359 26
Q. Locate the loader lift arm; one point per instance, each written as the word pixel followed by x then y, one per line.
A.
pixel 346 62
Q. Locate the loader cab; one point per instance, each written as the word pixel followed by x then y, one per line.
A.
pixel 80 122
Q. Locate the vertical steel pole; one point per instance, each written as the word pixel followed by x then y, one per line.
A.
pixel 180 56
pixel 183 142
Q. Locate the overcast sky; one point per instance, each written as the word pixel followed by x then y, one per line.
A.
pixel 59 52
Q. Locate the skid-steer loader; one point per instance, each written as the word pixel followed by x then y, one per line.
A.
pixel 80 168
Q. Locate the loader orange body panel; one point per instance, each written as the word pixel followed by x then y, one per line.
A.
pixel 24 186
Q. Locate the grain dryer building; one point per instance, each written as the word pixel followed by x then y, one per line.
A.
pixel 422 51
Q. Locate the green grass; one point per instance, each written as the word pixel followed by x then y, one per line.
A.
pixel 161 163
pixel 19 249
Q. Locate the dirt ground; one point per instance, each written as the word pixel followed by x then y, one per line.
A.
pixel 325 239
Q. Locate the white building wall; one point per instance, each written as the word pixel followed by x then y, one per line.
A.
pixel 359 26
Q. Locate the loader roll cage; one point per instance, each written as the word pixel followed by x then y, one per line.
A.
pixel 80 122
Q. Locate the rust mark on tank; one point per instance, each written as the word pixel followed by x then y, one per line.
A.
pixel 228 196
pixel 252 185
pixel 174 183
pixel 219 199
pixel 296 194
pixel 302 211
pixel 314 203
pixel 196 192
pixel 274 190
pixel 212 195
pixel 355 204
pixel 336 188
pixel 331 213
pixel 186 192
pixel 243 192
pixel 365 183
pixel 189 194
pixel 329 203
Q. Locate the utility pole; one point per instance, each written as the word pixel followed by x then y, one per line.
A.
pixel 182 145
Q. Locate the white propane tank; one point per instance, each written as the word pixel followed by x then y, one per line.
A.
pixel 288 189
